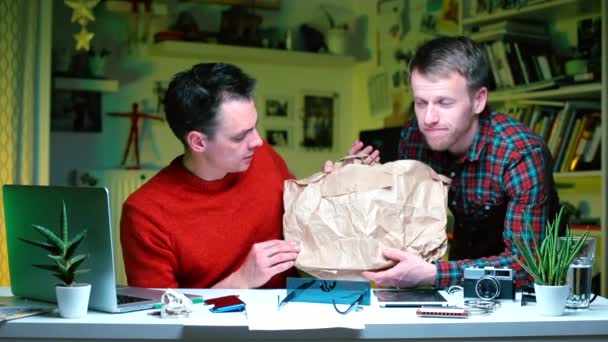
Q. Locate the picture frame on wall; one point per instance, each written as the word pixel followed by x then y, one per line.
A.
pixel 76 111
pixel 319 120
pixel 279 137
pixel 277 107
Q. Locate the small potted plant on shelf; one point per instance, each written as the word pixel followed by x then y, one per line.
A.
pixel 547 261
pixel 97 62
pixel 72 297
pixel 336 35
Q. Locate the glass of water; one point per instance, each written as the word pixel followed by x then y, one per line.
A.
pixel 580 275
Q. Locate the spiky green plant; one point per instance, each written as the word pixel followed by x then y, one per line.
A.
pixel 548 262
pixel 330 19
pixel 62 249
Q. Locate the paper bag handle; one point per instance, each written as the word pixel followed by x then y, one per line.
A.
pixel 356 158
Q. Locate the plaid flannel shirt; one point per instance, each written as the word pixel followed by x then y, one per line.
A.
pixel 506 172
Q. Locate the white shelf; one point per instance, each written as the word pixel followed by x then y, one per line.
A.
pixel 124 7
pixel 578 174
pixel 241 53
pixel 85 84
pixel 579 91
pixel 533 12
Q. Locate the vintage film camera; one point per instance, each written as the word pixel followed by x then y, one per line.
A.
pixel 489 283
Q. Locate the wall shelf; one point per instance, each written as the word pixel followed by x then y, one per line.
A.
pixel 124 7
pixel 543 9
pixel 241 53
pixel 597 174
pixel 85 84
pixel 580 91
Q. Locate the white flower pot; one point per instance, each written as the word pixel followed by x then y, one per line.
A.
pixel 73 301
pixel 336 41
pixel 551 300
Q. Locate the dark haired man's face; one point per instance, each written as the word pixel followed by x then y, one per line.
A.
pixel 446 111
pixel 236 137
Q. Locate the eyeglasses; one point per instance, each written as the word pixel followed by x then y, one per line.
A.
pixel 351 293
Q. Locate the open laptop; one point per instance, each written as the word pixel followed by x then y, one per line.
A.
pixel 86 207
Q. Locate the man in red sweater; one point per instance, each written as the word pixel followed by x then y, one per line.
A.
pixel 213 217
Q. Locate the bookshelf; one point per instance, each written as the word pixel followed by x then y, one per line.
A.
pixel 533 51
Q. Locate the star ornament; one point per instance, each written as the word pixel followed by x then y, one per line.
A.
pixel 82 10
pixel 83 39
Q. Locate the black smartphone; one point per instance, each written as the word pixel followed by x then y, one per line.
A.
pixel 230 303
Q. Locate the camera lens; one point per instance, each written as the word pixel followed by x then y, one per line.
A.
pixel 487 288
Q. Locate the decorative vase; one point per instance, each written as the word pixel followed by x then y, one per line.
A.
pixel 336 41
pixel 73 301
pixel 551 300
pixel 97 65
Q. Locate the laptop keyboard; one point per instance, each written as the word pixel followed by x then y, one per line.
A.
pixel 124 299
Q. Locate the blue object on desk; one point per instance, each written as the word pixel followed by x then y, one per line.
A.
pixel 231 303
pixel 334 292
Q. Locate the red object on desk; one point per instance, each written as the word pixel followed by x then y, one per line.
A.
pixel 134 115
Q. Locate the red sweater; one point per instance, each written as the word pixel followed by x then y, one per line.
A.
pixel 179 231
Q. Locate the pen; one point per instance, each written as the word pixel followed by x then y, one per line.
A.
pixel 413 305
pixel 194 301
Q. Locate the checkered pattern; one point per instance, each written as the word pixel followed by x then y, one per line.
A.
pixel 507 166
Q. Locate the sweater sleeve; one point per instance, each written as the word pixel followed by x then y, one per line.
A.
pixel 147 252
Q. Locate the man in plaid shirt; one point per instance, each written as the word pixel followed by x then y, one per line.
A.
pixel 499 168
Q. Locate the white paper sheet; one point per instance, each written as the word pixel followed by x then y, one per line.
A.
pixel 298 316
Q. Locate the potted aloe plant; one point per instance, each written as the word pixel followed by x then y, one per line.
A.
pixel 548 261
pixel 72 297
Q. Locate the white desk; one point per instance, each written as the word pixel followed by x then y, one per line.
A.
pixel 510 322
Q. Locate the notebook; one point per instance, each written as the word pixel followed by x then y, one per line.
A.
pixel 87 207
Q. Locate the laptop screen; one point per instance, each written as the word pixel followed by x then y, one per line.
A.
pixel 86 207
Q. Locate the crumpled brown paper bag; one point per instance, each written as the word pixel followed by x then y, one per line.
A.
pixel 344 219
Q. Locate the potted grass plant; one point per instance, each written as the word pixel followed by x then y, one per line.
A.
pixel 72 297
pixel 547 261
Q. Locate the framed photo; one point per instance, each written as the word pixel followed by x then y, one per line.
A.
pixel 279 137
pixel 276 107
pixel 76 111
pixel 318 124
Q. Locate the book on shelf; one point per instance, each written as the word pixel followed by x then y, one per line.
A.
pixel 512 29
pixel 485 7
pixel 573 143
pixel 522 64
pixel 495 80
pixel 558 130
pixel 586 156
pixel 487 36
pixel 516 26
pixel 561 149
pixel 502 63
